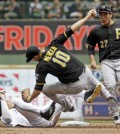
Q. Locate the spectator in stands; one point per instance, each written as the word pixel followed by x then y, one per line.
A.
pixel 13 10
pixel 115 8
pixel 1 8
pixel 118 5
pixel 55 11
pixel 36 9
pixel 75 10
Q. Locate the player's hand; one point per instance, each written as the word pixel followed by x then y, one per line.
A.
pixel 93 65
pixel 92 13
pixel 26 94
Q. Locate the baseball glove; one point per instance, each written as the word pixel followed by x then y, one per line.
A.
pixel 26 94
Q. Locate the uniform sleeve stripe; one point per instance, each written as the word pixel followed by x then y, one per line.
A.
pixel 65 35
pixel 40 83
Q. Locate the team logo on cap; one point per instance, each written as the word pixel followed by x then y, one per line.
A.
pixel 103 7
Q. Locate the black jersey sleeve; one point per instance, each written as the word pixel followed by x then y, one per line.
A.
pixel 91 42
pixel 60 39
pixel 41 74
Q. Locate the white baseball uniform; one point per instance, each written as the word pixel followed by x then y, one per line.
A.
pixel 26 114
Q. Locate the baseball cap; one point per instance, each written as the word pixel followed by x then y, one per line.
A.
pixel 104 8
pixel 31 52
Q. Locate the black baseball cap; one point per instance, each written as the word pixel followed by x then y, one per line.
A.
pixel 31 52
pixel 104 8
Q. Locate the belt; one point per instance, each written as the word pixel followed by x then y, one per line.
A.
pixel 113 58
pixel 84 69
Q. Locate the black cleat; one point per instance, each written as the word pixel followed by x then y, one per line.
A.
pixel 88 94
pixel 47 114
pixel 72 109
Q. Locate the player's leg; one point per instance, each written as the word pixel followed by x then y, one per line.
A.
pixel 36 120
pixel 78 100
pixel 95 87
pixel 54 91
pixel 48 112
pixel 56 115
pixel 109 76
pixel 105 93
pixel 58 93
pixel 27 106
pixel 117 71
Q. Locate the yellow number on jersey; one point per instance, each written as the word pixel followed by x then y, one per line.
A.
pixel 61 58
pixel 104 43
pixel 117 33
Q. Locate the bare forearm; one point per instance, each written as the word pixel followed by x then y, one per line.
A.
pixel 92 58
pixel 78 24
pixel 34 95
pixel 93 62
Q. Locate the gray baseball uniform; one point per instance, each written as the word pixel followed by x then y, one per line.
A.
pixel 86 81
pixel 107 36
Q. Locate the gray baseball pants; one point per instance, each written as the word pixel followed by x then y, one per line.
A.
pixel 58 91
pixel 111 73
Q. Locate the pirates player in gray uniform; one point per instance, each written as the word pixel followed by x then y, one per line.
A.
pixel 107 36
pixel 73 75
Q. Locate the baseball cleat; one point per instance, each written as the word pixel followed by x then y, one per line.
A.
pixel 72 109
pixel 96 92
pixel 47 114
pixel 116 120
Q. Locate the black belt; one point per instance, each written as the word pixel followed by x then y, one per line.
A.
pixel 84 69
pixel 113 58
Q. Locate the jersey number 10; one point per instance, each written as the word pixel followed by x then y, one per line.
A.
pixel 61 58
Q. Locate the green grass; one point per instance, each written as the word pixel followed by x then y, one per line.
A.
pixel 19 59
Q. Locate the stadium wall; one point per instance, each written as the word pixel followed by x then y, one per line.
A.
pixel 15 78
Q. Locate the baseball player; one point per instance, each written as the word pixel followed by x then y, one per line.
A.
pixel 73 75
pixel 20 113
pixel 107 36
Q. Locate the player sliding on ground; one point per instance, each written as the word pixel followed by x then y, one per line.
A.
pixel 22 114
pixel 73 75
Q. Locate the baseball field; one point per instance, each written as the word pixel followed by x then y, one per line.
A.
pixel 96 127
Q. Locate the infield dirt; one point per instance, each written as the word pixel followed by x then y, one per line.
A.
pixel 94 128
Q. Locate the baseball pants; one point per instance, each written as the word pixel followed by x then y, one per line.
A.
pixel 58 91
pixel 111 73
pixel 32 113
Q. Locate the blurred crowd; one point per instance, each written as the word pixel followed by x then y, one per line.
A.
pixel 52 9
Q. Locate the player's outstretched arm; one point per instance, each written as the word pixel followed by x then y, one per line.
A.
pixel 78 24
